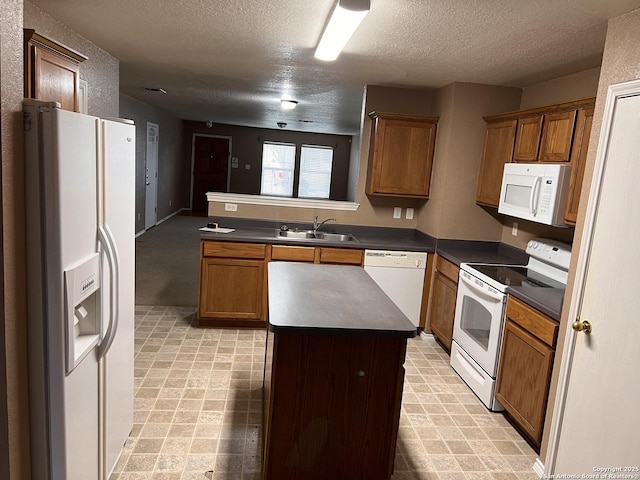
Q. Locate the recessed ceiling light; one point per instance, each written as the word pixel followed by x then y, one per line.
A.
pixel 155 90
pixel 288 104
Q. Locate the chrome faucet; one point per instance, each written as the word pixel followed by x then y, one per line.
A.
pixel 317 225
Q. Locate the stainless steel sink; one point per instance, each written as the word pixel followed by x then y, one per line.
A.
pixel 311 235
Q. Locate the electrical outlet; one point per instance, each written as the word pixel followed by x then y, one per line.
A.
pixel 409 213
pixel 397 212
pixel 230 207
pixel 514 229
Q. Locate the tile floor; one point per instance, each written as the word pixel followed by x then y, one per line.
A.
pixel 198 410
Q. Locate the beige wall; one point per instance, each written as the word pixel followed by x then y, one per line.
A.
pixel 451 211
pixel 571 87
pixel 14 423
pixel 619 64
pixel 376 211
pixel 564 89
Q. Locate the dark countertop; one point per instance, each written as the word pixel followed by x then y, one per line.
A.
pixel 547 300
pixel 466 251
pixel 377 238
pixel 331 299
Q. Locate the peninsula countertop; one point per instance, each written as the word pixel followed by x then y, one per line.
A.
pixel 331 299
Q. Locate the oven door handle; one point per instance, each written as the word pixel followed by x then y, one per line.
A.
pixel 498 297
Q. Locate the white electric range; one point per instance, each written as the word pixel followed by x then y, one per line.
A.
pixel 480 309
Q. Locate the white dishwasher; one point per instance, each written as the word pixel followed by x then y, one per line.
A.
pixel 401 276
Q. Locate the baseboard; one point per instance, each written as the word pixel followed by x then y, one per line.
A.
pixel 162 220
pixel 538 468
pixel 171 215
pixel 426 336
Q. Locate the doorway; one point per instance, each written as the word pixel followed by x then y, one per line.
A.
pixel 211 158
pixel 151 176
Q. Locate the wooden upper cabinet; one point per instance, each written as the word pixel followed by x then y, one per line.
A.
pixel 578 160
pixel 557 136
pixel 552 134
pixel 51 71
pixel 498 150
pixel 527 139
pixel 401 155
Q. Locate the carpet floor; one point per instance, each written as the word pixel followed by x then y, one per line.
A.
pixel 168 262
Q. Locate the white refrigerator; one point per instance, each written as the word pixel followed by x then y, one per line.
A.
pixel 80 202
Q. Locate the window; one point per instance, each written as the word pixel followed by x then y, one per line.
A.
pixel 315 172
pixel 282 170
pixel 278 165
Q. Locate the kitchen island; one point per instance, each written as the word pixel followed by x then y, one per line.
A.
pixel 334 374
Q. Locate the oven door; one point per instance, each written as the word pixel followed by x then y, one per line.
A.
pixel 477 327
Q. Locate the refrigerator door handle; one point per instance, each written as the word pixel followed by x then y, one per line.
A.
pixel 106 239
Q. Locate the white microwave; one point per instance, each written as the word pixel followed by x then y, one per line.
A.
pixel 535 191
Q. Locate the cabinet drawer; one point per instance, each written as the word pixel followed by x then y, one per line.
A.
pixel 448 269
pixel 235 250
pixel 345 256
pixel 292 253
pixel 534 322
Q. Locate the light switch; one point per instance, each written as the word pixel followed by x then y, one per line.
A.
pixel 397 212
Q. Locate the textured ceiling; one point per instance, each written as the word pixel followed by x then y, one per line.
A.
pixel 231 61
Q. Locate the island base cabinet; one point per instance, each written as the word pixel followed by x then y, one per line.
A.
pixel 332 406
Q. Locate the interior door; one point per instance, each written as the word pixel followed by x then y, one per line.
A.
pixel 210 168
pixel 151 176
pixel 598 426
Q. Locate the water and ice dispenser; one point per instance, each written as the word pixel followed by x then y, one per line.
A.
pixel 82 309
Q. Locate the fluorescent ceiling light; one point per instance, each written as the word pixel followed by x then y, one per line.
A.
pixel 288 104
pixel 343 22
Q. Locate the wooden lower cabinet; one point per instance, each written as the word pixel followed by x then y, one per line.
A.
pixel 524 372
pixel 233 278
pixel 232 285
pixel 331 406
pixel 443 301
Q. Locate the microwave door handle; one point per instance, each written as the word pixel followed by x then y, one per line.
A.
pixel 533 200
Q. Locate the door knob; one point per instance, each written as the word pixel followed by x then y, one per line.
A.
pixel 582 326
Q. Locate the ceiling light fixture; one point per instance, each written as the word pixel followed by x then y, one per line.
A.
pixel 345 18
pixel 288 104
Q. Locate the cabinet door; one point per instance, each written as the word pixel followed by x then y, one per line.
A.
pixel 498 150
pixel 578 161
pixel 528 139
pixel 557 134
pixel 231 289
pixel 56 79
pixel 402 157
pixel 523 381
pixel 443 306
